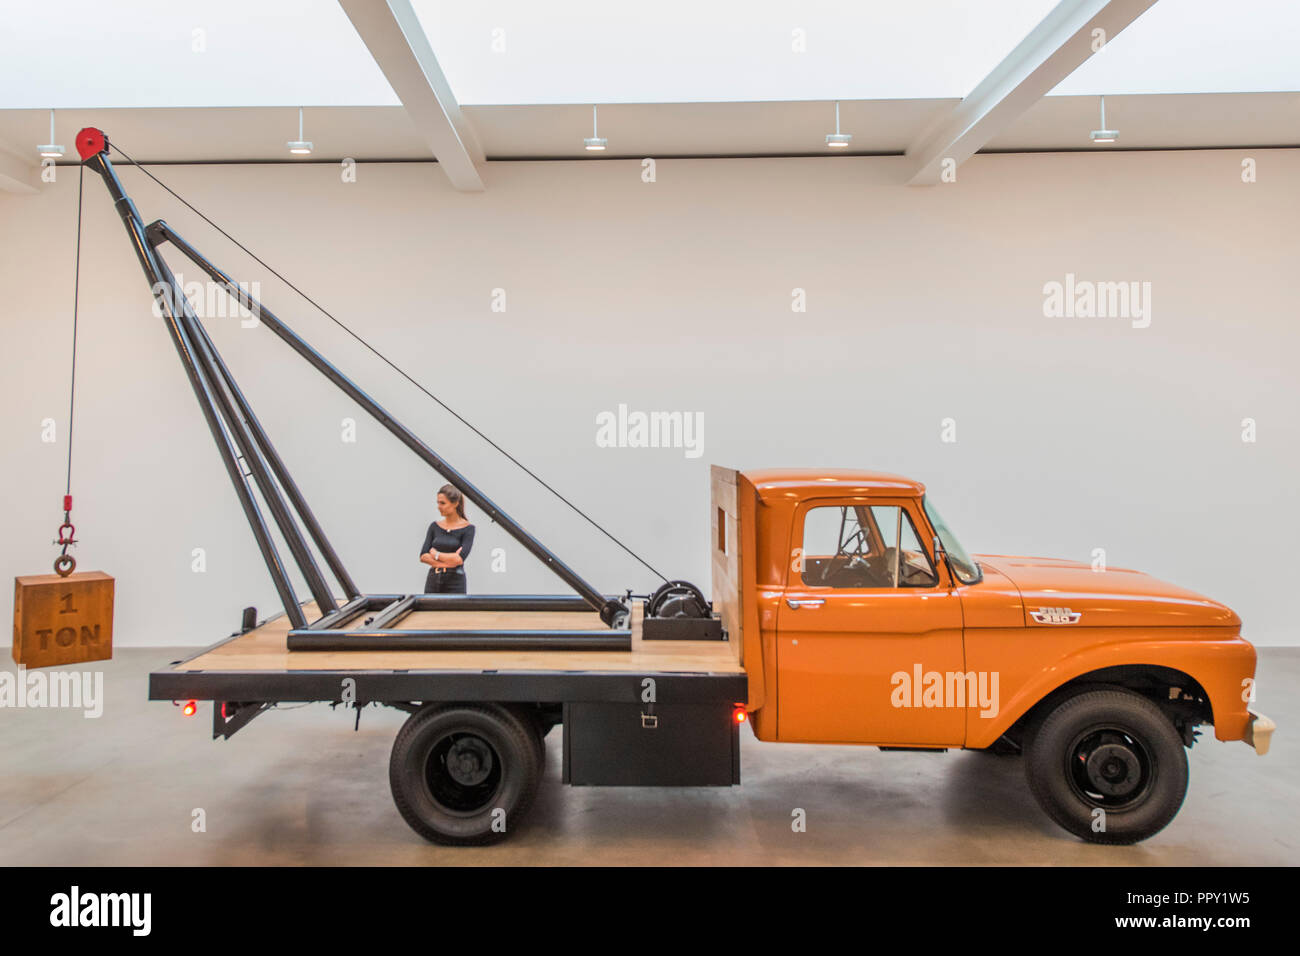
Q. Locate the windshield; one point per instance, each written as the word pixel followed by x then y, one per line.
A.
pixel 966 568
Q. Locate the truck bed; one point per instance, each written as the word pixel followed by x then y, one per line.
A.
pixel 258 666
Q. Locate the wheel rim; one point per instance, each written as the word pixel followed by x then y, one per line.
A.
pixel 1110 767
pixel 463 773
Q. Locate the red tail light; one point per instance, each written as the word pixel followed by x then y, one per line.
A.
pixel 191 708
pixel 739 713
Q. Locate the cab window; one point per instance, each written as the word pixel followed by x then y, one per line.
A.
pixel 863 546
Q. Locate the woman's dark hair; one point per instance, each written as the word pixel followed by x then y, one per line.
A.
pixel 455 497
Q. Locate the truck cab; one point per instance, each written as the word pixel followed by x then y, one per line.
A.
pixel 861 619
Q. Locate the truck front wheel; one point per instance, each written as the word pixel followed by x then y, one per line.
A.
pixel 464 774
pixel 1108 766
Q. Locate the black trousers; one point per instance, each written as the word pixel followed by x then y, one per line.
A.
pixel 448 582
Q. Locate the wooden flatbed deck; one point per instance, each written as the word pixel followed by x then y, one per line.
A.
pixel 258 665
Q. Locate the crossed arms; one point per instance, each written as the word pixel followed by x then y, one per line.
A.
pixel 438 560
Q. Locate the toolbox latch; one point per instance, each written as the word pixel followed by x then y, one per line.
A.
pixel 649 721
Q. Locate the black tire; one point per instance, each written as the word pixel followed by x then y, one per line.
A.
pixel 1113 750
pixel 480 797
pixel 532 721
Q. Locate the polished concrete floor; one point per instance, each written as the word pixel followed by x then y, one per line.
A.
pixel 300 787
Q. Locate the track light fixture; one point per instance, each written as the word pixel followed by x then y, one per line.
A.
pixel 838 140
pixel 1104 135
pixel 300 146
pixel 51 150
pixel 594 142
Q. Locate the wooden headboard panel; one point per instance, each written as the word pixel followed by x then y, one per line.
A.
pixel 724 548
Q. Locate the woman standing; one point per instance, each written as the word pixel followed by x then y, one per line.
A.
pixel 447 545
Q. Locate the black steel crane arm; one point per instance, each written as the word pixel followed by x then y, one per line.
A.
pixel 240 440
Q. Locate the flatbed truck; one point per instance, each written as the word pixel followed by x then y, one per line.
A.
pixel 867 643
pixel 843 611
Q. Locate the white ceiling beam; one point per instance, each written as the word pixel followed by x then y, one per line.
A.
pixel 17 175
pixel 1052 51
pixel 392 32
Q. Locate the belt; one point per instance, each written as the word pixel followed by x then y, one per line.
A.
pixel 459 570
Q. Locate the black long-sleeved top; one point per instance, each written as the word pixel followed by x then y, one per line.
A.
pixel 449 542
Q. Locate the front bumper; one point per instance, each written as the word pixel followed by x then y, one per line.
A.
pixel 1259 732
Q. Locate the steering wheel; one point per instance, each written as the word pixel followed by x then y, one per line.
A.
pixel 843 575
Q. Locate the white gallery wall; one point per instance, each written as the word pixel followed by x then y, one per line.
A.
pixel 924 321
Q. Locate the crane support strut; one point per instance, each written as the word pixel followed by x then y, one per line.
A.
pixel 243 443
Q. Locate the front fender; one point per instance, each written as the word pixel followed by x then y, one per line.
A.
pixel 1032 668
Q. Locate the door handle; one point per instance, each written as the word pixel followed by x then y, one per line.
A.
pixel 795 604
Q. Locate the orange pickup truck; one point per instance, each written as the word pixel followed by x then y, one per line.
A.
pixel 844 611
pixel 861 620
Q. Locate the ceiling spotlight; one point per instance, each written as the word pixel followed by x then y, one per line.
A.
pixel 51 150
pixel 838 140
pixel 1104 135
pixel 594 142
pixel 300 146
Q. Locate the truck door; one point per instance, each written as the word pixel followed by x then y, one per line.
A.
pixel 864 625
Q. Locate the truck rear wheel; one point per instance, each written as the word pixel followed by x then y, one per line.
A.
pixel 538 736
pixel 464 774
pixel 1108 766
